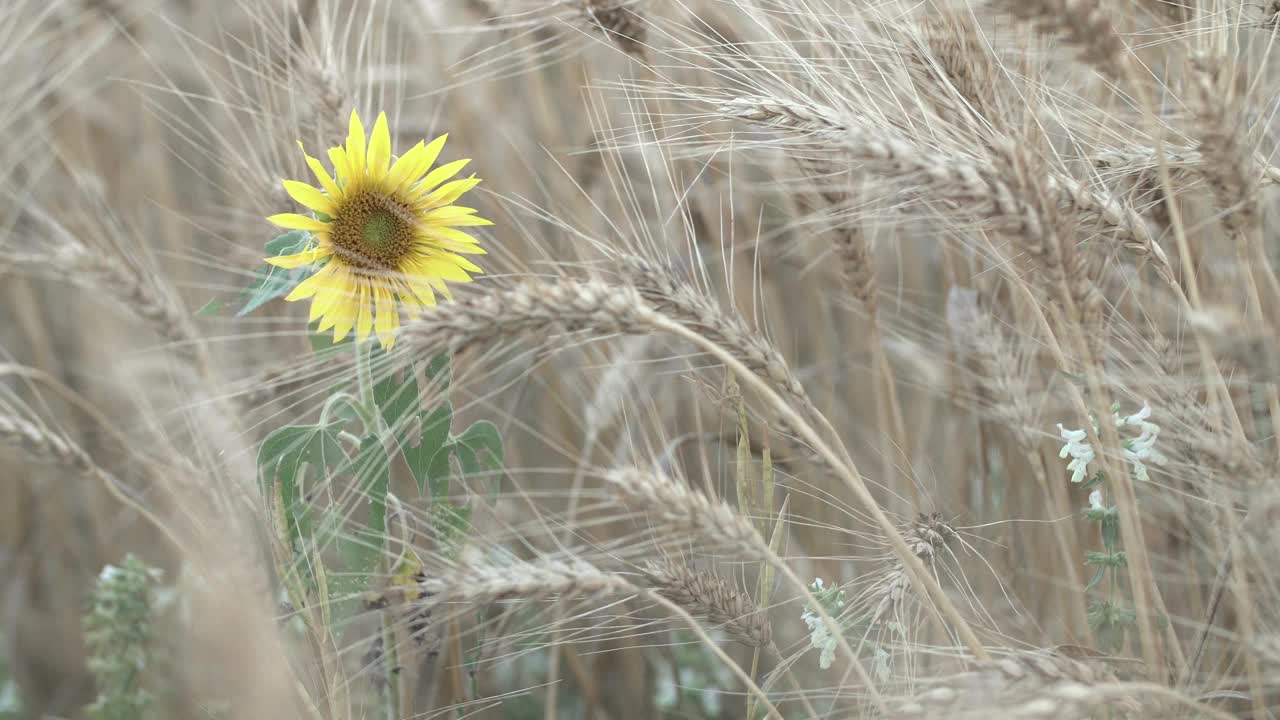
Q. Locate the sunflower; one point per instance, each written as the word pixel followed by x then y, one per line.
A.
pixel 384 234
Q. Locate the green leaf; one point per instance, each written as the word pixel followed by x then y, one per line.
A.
pixel 438 472
pixel 1097 578
pixel 210 309
pixel 438 371
pixel 450 522
pixel 480 439
pixel 484 435
pixel 281 459
pixel 433 431
pixel 371 471
pixel 361 549
pixel 271 282
pixel 396 397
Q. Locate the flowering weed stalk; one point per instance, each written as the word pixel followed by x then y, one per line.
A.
pixel 117 629
pixel 1109 617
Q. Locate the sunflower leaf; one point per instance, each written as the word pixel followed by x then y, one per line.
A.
pixel 395 391
pixel 283 458
pixel 439 471
pixel 271 282
pixel 361 549
pixel 438 371
pixel 433 435
pixel 450 523
pixel 482 436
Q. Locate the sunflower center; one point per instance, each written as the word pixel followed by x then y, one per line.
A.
pixel 373 232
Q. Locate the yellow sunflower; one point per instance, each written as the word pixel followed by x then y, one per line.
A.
pixel 386 232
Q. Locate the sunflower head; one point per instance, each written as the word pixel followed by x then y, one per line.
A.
pixel 384 234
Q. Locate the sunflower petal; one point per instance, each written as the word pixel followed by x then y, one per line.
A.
pixel 341 168
pixel 467 221
pixel 405 164
pixel 439 268
pixel 311 285
pixel 407 297
pixel 379 149
pixel 337 300
pixel 435 233
pixel 421 290
pixel 388 319
pixel 294 221
pixel 461 262
pixel 344 315
pixel 310 197
pixel 454 216
pixel 437 176
pixel 364 319
pixel 447 193
pixel 355 147
pixel 302 259
pixel 321 303
pixel 454 241
pixel 322 175
pixel 442 287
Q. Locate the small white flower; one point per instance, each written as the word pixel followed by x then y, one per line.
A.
pixel 1138 451
pixel 1080 451
pixel 1095 500
pixel 819 636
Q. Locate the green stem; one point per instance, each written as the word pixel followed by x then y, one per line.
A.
pixel 390 663
pixel 364 374
pixel 364 383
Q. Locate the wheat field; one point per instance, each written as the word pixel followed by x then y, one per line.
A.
pixel 809 359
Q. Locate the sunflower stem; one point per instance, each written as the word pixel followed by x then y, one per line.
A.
pixel 391 667
pixel 364 375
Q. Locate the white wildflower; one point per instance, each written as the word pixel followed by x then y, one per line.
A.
pixel 1138 451
pixel 1080 451
pixel 819 636
pixel 1141 450
pixel 1095 500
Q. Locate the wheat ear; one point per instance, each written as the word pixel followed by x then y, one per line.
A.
pixel 477 584
pixel 704 593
